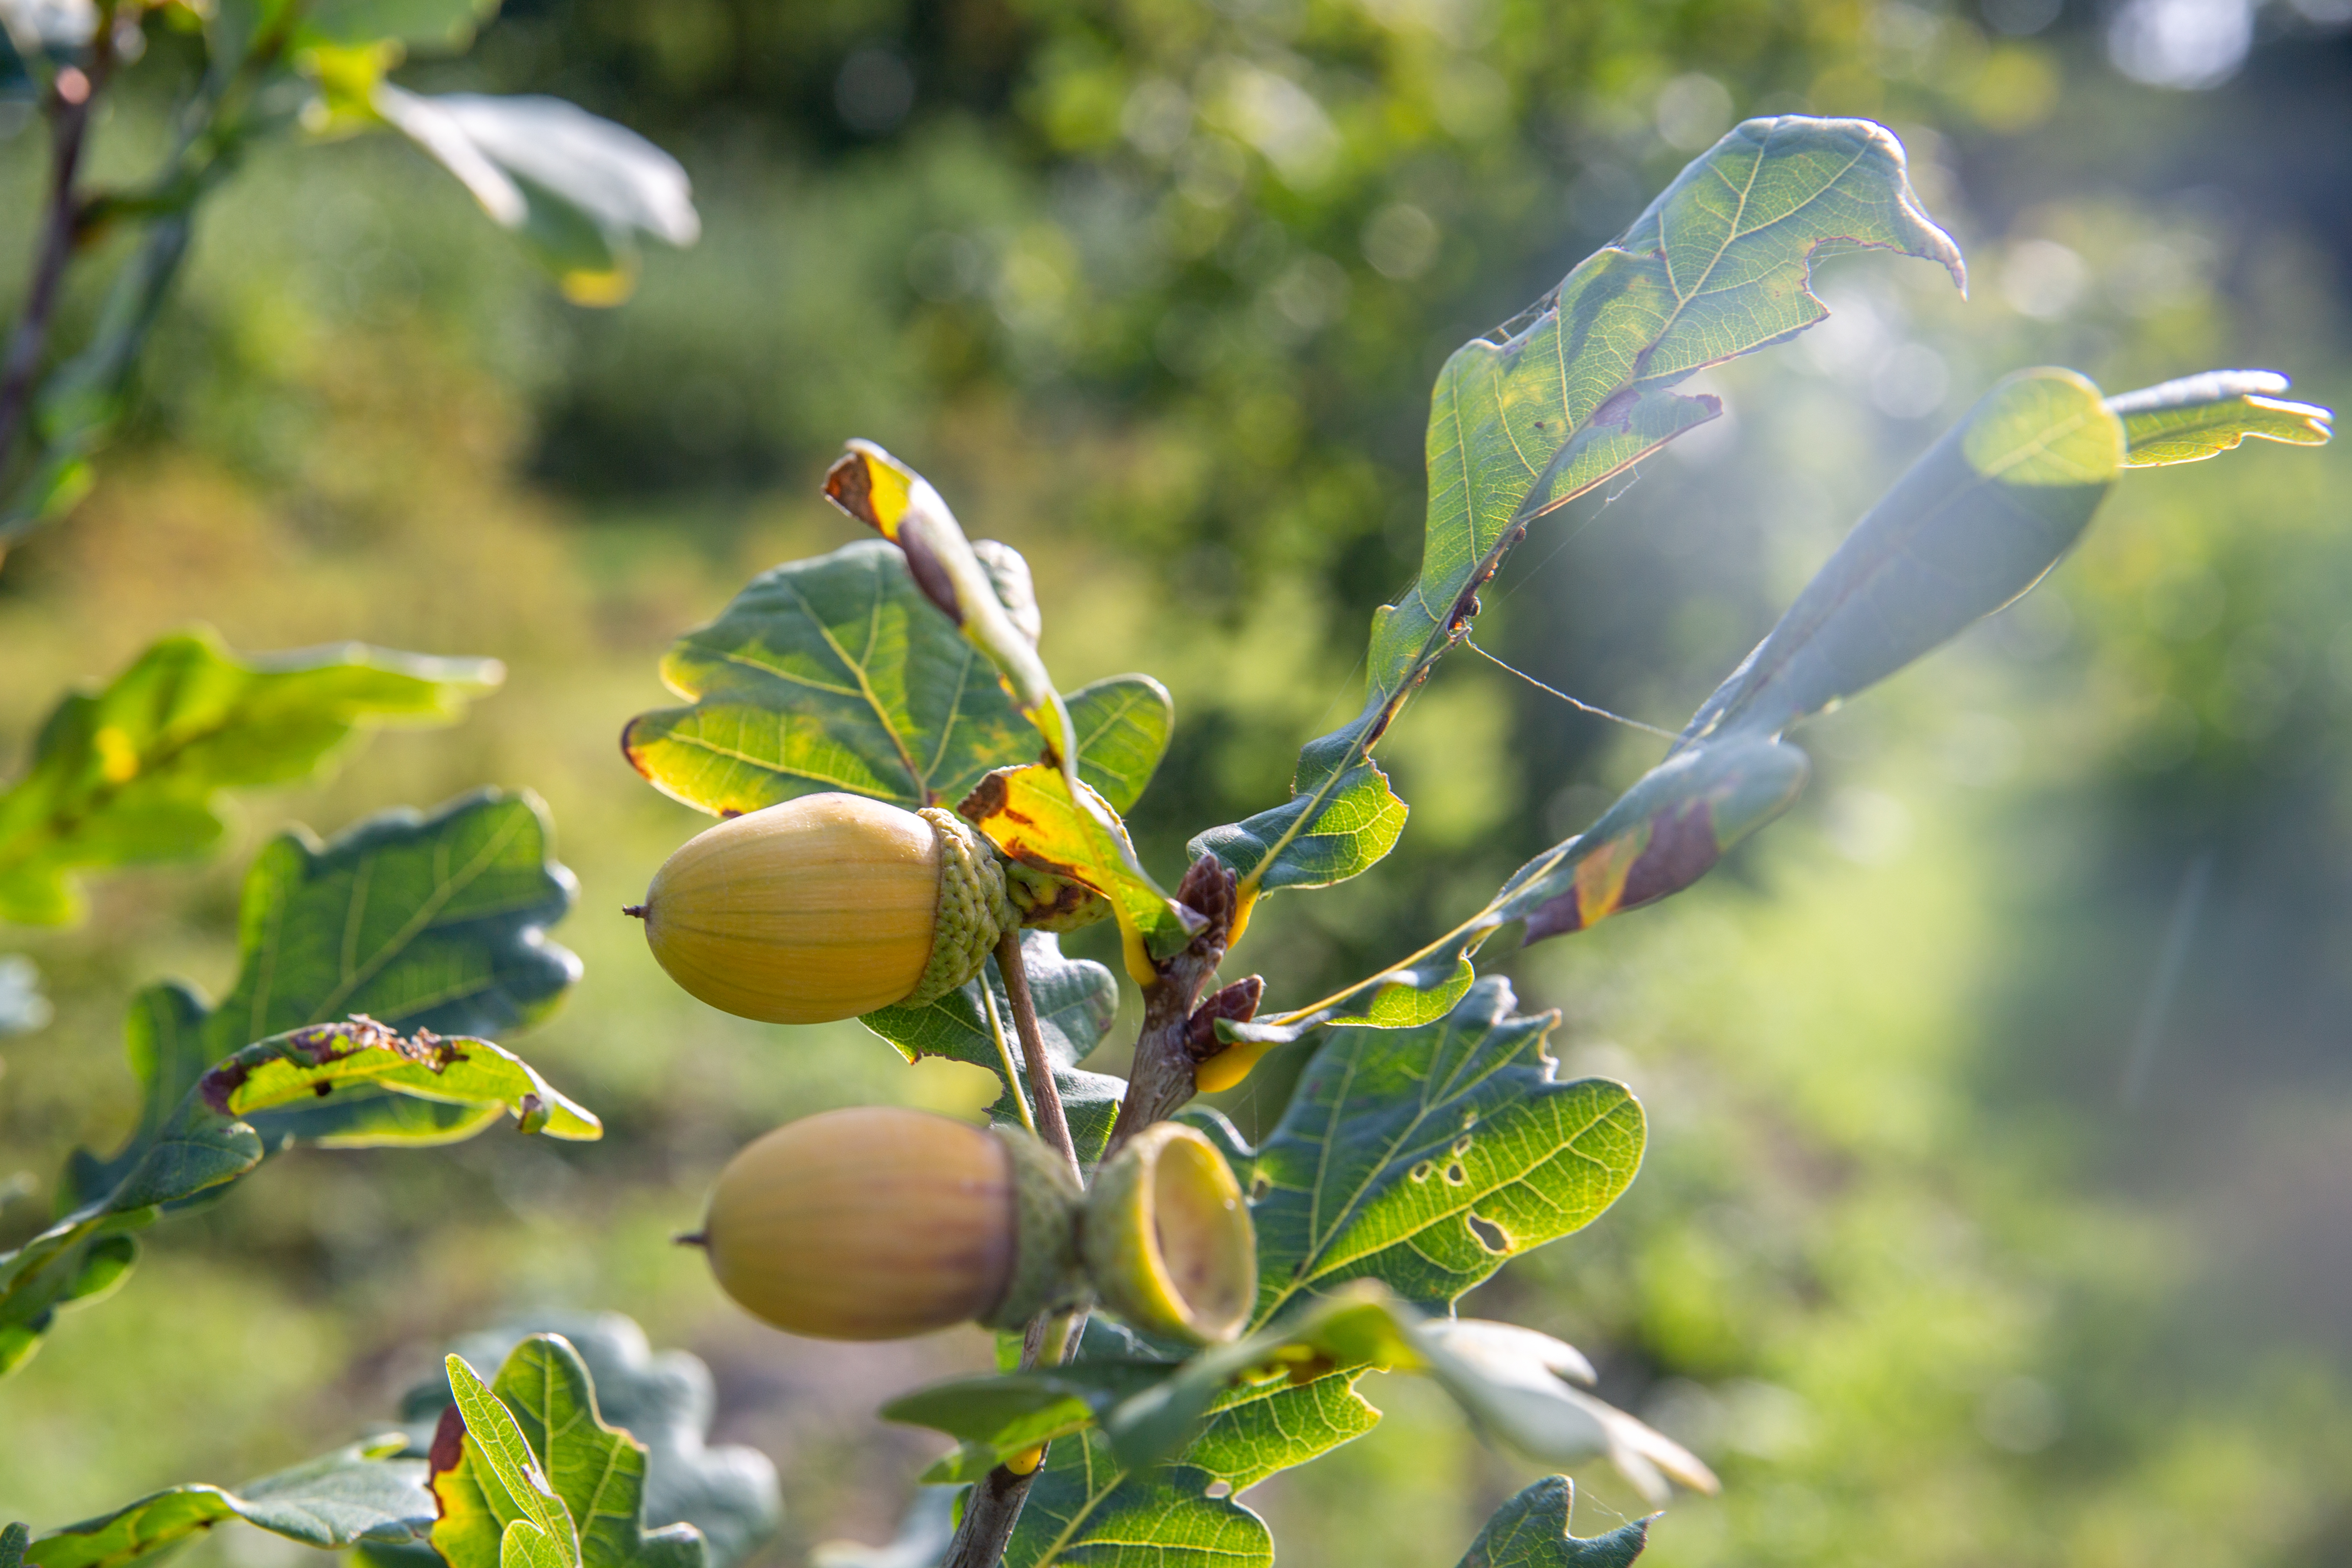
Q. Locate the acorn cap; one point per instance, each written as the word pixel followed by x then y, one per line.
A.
pixel 1047 1270
pixel 1168 1240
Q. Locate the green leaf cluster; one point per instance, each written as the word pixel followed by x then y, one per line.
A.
pixel 129 776
pixel 368 967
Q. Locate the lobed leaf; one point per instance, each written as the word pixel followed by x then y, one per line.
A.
pixel 2201 416
pixel 1076 999
pixel 355 1494
pixel 1531 1531
pixel 665 1400
pixel 211 1139
pixel 1576 389
pixel 1425 1157
pixel 129 776
pixel 492 1483
pixel 594 1473
pixel 837 674
pixel 435 925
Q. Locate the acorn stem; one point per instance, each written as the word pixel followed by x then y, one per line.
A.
pixel 1052 1126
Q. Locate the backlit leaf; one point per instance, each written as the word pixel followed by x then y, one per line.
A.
pixel 346 1498
pixel 597 1472
pixel 2201 416
pixel 128 776
pixel 1576 389
pixel 1121 725
pixel 577 190
pixel 1030 815
pixel 665 1400
pixel 494 1483
pixel 1531 1531
pixel 899 503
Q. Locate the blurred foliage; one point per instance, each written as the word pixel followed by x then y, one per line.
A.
pixel 1964 1233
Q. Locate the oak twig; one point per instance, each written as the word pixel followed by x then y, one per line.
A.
pixel 72 98
pixel 1052 1125
pixel 1159 1085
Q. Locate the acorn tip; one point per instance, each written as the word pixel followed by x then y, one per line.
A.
pixel 634 911
pixel 692 1238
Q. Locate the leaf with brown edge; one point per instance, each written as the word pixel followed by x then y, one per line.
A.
pixel 1030 814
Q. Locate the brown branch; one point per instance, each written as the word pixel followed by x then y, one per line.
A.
pixel 1161 1082
pixel 1159 1086
pixel 71 101
pixel 1052 1125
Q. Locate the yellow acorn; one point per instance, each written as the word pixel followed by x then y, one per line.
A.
pixel 877 1223
pixel 826 907
pixel 1167 1238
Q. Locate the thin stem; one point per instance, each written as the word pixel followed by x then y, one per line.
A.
pixel 1051 1124
pixel 1004 1058
pixel 72 100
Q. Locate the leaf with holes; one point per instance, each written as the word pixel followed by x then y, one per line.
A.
pixel 1531 1531
pixel 596 1471
pixel 359 1494
pixel 129 776
pixel 2201 416
pixel 1076 999
pixel 1424 1157
pixel 1578 388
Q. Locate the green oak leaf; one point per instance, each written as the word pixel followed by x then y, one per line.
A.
pixel 665 1400
pixel 341 1500
pixel 2201 416
pixel 128 776
pixel 596 1473
pixel 13 1542
pixel 1578 388
pixel 837 674
pixel 1531 1531
pixel 1086 1508
pixel 1425 1157
pixel 438 26
pixel 1121 725
pixel 429 925
pixel 498 1507
pixel 1076 1001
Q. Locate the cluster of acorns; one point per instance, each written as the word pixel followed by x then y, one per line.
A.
pixel 877 1223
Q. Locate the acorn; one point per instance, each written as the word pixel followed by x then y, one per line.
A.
pixel 877 1223
pixel 1167 1238
pixel 826 907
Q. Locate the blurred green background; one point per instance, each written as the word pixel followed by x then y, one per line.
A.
pixel 1969 1232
